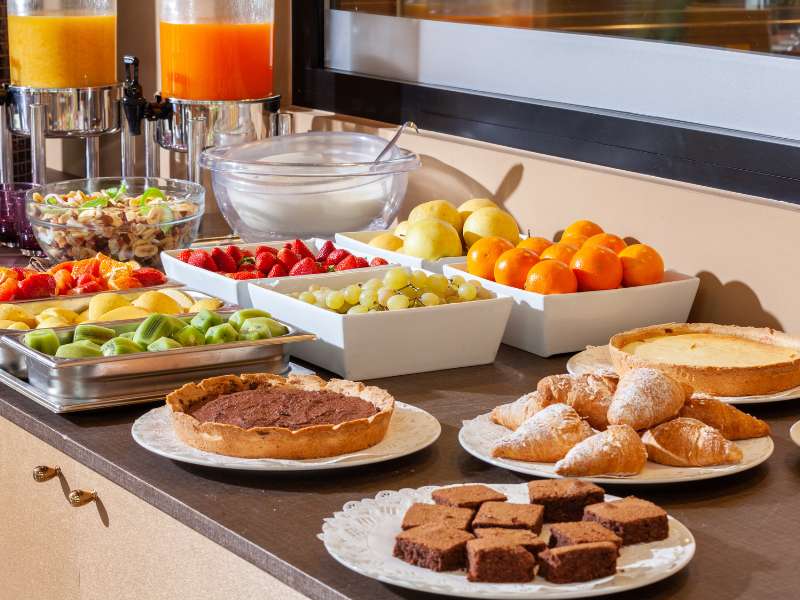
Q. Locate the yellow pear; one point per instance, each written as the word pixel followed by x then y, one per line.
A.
pixel 432 239
pixel 470 206
pixel 158 302
pixel 205 303
pixel 401 229
pixel 122 313
pixel 436 209
pixel 9 312
pixel 56 312
pixel 490 222
pixel 182 298
pixel 103 303
pixel 51 323
pixel 18 325
pixel 386 241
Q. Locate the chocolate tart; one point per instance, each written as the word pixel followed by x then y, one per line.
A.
pixel 267 416
pixel 723 360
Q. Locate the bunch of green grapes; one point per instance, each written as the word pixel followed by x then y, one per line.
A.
pixel 400 288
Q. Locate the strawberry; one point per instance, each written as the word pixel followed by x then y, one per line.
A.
pixel 269 249
pixel 8 290
pixel 90 288
pixel 201 258
pixel 301 249
pixel 86 279
pixel 40 285
pixel 264 261
pixel 148 276
pixel 306 266
pixel 361 262
pixel 335 257
pixel 224 262
pixel 348 263
pixel 235 253
pixel 378 262
pixel 246 253
pixel 242 275
pixel 184 255
pixel 326 249
pixel 288 258
pixel 278 270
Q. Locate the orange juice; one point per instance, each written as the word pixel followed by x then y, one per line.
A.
pixel 216 61
pixel 62 51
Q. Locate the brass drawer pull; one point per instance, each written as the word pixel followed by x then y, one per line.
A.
pixel 45 473
pixel 80 497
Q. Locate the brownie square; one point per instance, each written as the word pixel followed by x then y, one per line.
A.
pixel 635 520
pixel 509 516
pixel 425 514
pixel 435 547
pixel 467 496
pixel 581 562
pixel 581 532
pixel 498 561
pixel 564 499
pixel 519 537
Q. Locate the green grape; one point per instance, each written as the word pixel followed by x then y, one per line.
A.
pixel 352 293
pixel 419 279
pixel 384 294
pixel 457 280
pixel 373 284
pixel 397 302
pixel 320 297
pixel 467 291
pixel 430 299
pixel 313 287
pixel 438 284
pixel 396 279
pixel 358 309
pixel 368 297
pixel 308 297
pixel 334 300
pixel 410 291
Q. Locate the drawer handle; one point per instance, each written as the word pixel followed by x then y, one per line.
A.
pixel 44 473
pixel 80 497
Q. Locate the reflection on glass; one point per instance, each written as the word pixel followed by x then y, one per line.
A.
pixel 756 25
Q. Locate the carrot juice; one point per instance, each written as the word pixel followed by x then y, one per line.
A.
pixel 216 61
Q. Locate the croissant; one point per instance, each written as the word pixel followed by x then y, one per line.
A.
pixel 590 395
pixel 616 451
pixel 546 437
pixel 685 442
pixel 729 420
pixel 645 398
pixel 514 414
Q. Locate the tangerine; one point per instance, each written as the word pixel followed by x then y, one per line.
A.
pixel 641 265
pixel 560 251
pixel 535 244
pixel 483 255
pixel 513 265
pixel 582 227
pixel 575 239
pixel 597 268
pixel 551 277
pixel 607 240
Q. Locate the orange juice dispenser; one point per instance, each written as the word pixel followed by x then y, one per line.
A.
pixel 216 79
pixel 62 55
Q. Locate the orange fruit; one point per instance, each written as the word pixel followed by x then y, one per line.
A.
pixel 607 240
pixel 597 268
pixel 551 277
pixel 535 244
pixel 582 227
pixel 560 251
pixel 513 265
pixel 575 239
pixel 484 253
pixel 641 265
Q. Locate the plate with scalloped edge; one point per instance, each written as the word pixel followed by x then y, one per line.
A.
pixel 794 433
pixel 478 436
pixel 361 537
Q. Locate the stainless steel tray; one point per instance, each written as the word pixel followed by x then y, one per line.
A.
pixel 147 374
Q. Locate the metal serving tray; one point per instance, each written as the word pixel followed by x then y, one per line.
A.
pixel 96 381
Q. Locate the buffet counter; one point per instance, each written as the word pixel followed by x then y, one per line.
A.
pixel 160 528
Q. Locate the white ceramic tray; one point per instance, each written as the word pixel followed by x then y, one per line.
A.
pixel 553 324
pixel 595 359
pixel 411 429
pixel 358 243
pixel 361 537
pixel 387 343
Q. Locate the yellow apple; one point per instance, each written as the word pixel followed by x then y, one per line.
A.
pixel 490 222
pixel 436 209
pixel 470 206
pixel 432 239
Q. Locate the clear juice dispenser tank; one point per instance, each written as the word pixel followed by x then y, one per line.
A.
pixel 216 49
pixel 62 43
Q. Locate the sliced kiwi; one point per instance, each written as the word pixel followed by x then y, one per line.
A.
pixel 42 340
pixel 205 320
pixel 240 316
pixel 79 349
pixel 153 328
pixel 94 333
pixel 120 345
pixel 162 344
pixel 190 336
pixel 222 334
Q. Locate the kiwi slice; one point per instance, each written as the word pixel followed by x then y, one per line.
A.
pixel 190 336
pixel 205 320
pixel 256 325
pixel 162 344
pixel 153 328
pixel 94 333
pixel 79 349
pixel 222 334
pixel 120 345
pixel 42 340
pixel 240 316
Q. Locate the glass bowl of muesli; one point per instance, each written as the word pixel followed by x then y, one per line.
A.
pixel 128 219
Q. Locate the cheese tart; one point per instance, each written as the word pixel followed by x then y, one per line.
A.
pixel 722 360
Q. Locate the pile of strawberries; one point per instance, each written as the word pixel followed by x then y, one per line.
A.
pixel 293 259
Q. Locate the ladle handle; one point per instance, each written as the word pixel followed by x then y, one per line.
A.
pixel 394 139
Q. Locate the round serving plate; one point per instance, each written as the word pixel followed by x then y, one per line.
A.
pixel 361 537
pixel 595 360
pixel 411 429
pixel 479 435
pixel 794 433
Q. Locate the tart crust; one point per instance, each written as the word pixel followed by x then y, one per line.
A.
pixel 716 380
pixel 314 441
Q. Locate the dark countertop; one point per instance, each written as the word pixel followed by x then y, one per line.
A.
pixel 747 526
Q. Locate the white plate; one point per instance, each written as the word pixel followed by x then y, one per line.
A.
pixel 479 435
pixel 411 429
pixel 595 359
pixel 361 537
pixel 794 433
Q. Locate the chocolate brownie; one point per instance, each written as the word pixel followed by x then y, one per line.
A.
pixel 425 514
pixel 581 532
pixel 467 496
pixel 498 561
pixel 564 499
pixel 635 520
pixel 581 562
pixel 521 537
pixel 435 547
pixel 509 516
